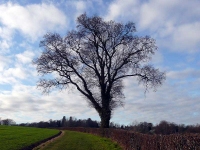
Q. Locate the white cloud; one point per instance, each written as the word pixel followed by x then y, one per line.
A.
pixel 186 37
pixel 80 7
pixel 4 61
pixel 184 74
pixel 7 80
pixel 170 102
pixel 32 20
pixel 25 57
pixel 5 39
pixel 157 58
pixel 155 13
pixel 76 8
pixel 4 45
pixel 123 9
pixel 15 72
pixel 14 69
pixel 28 99
pixel 175 22
pixel 172 22
pixel 6 33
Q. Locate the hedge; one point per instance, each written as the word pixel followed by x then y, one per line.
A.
pixel 136 141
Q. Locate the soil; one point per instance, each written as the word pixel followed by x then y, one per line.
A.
pixel 42 145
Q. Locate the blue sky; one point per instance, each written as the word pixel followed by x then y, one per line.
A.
pixel 174 24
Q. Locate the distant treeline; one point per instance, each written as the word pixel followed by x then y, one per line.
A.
pixel 164 127
pixel 64 122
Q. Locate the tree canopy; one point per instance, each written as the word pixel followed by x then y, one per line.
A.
pixel 95 58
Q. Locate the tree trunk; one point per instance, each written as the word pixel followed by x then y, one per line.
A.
pixel 105 118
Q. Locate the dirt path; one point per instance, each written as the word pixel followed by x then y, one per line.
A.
pixel 47 142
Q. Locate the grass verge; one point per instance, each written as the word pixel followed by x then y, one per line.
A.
pixel 15 137
pixel 72 140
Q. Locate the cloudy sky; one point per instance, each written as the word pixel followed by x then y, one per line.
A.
pixel 174 24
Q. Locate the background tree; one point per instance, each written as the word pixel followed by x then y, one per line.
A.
pixel 64 121
pixel 95 58
pixel 8 122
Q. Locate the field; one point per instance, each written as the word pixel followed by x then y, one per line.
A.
pixel 72 140
pixel 15 138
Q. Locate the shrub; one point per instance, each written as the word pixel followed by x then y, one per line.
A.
pixel 137 141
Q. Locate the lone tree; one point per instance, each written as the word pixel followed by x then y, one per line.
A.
pixel 95 58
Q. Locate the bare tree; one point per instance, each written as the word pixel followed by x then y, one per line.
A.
pixel 8 122
pixel 95 58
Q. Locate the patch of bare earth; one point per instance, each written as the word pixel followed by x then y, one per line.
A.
pixel 41 146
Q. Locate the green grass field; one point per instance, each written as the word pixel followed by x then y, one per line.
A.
pixel 15 138
pixel 72 140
